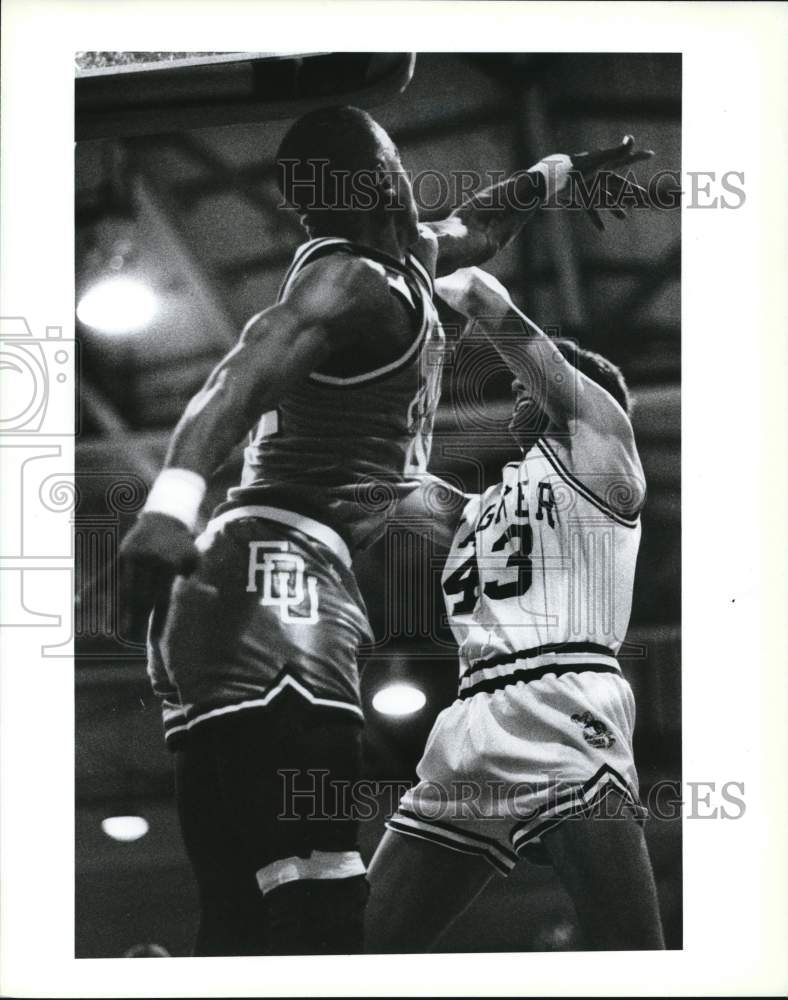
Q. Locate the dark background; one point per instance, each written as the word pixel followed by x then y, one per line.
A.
pixel 194 216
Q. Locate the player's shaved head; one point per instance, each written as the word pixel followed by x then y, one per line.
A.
pixel 320 159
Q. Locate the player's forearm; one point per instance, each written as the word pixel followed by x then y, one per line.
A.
pixel 559 387
pixel 493 217
pixel 518 341
pixel 515 337
pixel 531 357
pixel 210 427
pixel 527 351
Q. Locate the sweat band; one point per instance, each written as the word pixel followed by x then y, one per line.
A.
pixel 555 169
pixel 179 493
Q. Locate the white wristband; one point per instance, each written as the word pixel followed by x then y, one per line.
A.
pixel 555 169
pixel 179 493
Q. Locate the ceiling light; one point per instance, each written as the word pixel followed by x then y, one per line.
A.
pixel 118 305
pixel 125 828
pixel 399 699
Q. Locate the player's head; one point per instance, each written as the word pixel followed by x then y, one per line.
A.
pixel 340 170
pixel 530 419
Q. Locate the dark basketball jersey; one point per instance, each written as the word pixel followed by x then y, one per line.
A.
pixel 340 447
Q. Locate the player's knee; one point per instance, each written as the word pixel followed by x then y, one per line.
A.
pixel 315 905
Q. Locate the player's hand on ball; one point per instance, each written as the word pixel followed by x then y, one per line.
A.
pixel 613 185
pixel 156 550
pixel 474 292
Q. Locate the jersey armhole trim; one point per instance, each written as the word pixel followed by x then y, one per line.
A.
pixel 422 272
pixel 412 307
pixel 303 255
pixel 583 490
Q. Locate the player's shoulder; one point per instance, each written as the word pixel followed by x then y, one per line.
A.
pixel 340 286
pixel 597 410
pixel 604 469
pixel 348 271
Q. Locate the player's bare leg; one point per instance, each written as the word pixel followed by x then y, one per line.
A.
pixel 604 866
pixel 417 890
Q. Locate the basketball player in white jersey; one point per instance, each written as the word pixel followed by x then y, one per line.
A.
pixel 537 748
pixel 253 647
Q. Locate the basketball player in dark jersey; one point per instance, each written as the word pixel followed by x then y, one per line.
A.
pixel 253 644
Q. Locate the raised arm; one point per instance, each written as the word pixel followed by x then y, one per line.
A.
pixel 528 352
pixel 490 219
pixel 586 423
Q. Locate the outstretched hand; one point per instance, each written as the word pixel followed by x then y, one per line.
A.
pixel 605 162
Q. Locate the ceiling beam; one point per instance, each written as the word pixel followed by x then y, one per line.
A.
pixel 159 224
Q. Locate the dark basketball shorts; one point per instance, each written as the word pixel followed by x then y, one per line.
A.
pixel 273 606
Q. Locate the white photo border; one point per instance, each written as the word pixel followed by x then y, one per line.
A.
pixel 735 700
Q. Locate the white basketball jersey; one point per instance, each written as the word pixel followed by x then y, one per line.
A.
pixel 539 575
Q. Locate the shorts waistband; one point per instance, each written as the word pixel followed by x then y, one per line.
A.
pixel 549 651
pixel 497 678
pixel 307 525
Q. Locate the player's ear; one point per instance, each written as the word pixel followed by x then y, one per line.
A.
pixel 388 193
pixel 387 185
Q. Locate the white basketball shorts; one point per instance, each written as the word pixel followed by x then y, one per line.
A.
pixel 501 768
